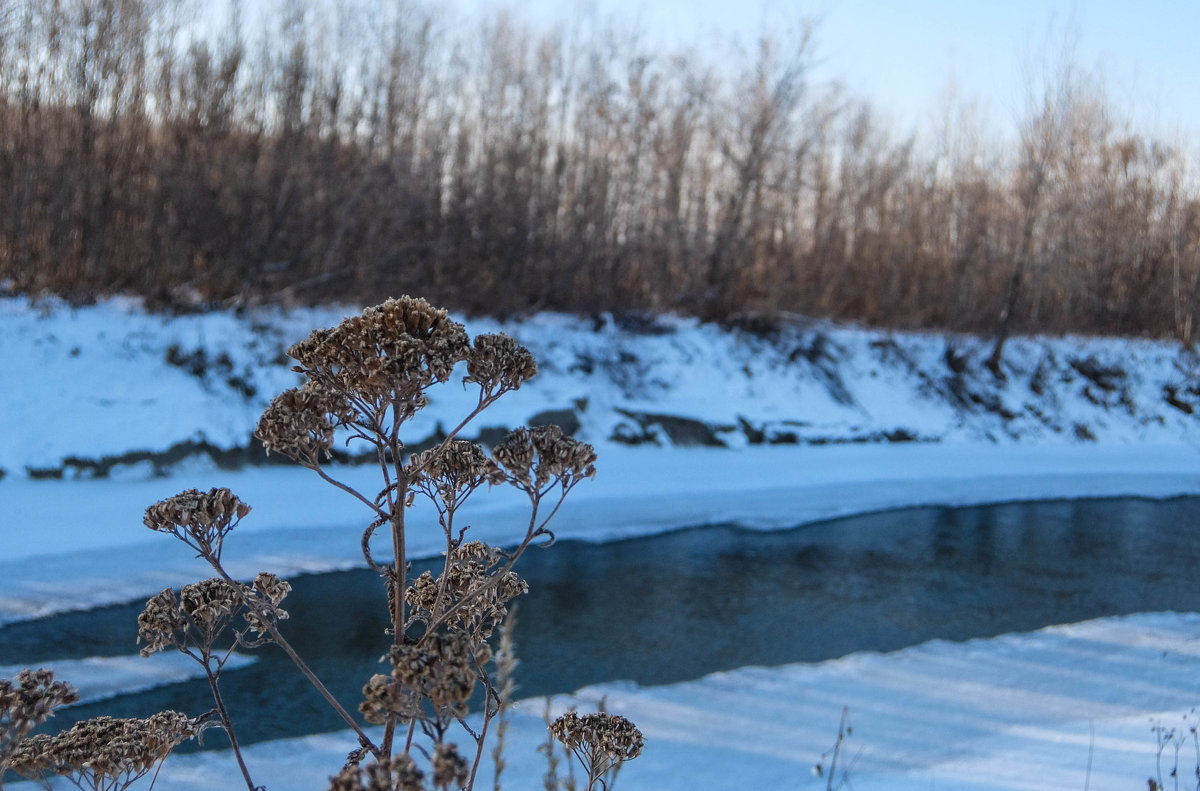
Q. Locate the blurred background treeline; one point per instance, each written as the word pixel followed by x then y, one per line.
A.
pixel 493 166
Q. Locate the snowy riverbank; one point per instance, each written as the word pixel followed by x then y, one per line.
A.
pixel 111 390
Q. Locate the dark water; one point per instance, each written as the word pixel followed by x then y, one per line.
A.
pixel 674 607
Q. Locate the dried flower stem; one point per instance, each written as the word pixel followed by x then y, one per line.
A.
pixel 319 470
pixel 506 665
pixel 277 636
pixel 227 723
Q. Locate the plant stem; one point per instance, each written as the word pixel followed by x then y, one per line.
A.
pixel 363 739
pixel 400 562
pixel 348 489
pixel 494 578
pixel 282 642
pixel 226 722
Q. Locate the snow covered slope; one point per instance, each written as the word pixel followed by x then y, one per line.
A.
pixel 90 392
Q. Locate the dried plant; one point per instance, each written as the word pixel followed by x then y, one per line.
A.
pixel 834 780
pixel 364 378
pixel 199 519
pixel 26 704
pixel 104 753
pixel 601 742
pixel 549 748
pixel 196 622
pixel 399 773
pixel 1174 741
pixel 506 667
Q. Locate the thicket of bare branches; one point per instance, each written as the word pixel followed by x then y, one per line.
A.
pixel 356 151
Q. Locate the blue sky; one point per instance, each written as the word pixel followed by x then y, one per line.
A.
pixel 904 54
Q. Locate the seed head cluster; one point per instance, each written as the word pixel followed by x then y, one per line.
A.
pixel 383 696
pixel 399 773
pixel 210 603
pixel 600 741
pixel 104 752
pixel 396 349
pixel 203 610
pixel 26 704
pixel 449 768
pixel 300 422
pixel 200 519
pixel 499 364
pixel 537 456
pixel 384 359
pixel 439 669
pixel 474 587
pixel 448 474
pixel 264 609
pixel 162 624
pixel 207 606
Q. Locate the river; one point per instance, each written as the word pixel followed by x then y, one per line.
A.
pixel 673 607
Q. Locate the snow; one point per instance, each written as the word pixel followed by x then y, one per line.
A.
pixel 97 398
pixel 98 678
pixel 1064 707
pixel 82 386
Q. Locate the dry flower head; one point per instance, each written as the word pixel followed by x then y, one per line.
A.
pixel 449 473
pixel 264 609
pixel 383 696
pixel 161 624
pixel 439 669
pixel 300 422
pixel 384 358
pixel 210 603
pixel 600 741
pixel 473 585
pixel 199 519
pixel 393 350
pixel 536 456
pixel 208 607
pixel 499 364
pixel 27 703
pixel 104 752
pixel 400 773
pixel 449 768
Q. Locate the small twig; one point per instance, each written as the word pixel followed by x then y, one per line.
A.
pixel 348 489
pixel 844 730
pixel 1087 777
pixel 303 667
